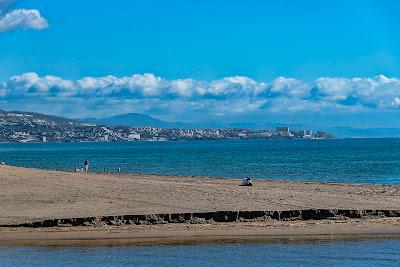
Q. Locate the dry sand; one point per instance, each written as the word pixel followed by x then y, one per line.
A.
pixel 30 195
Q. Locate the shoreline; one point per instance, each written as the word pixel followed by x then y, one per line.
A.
pixel 55 208
pixel 187 140
pixel 216 233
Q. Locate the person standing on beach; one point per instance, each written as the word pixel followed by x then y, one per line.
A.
pixel 86 165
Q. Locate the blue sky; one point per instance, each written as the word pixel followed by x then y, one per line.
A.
pixel 205 42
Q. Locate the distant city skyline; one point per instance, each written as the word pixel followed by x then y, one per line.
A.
pixel 334 63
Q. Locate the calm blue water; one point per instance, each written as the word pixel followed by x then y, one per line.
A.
pixel 362 253
pixel 347 160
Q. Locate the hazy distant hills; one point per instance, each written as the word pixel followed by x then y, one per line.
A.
pixel 141 120
pixel 364 133
pixel 17 120
pixel 137 120
pixel 16 126
pixel 20 118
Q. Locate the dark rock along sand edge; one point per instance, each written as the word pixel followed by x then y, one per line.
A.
pixel 216 216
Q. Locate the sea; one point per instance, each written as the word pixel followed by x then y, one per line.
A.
pixel 339 160
pixel 327 160
pixel 361 253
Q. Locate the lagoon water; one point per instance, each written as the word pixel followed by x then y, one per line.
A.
pixel 361 253
pixel 340 160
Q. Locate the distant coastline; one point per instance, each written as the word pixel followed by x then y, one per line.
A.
pixel 25 127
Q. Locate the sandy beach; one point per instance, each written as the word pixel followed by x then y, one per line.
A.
pixel 30 195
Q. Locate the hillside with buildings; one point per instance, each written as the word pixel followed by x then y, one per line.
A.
pixel 34 127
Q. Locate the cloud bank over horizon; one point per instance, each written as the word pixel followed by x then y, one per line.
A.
pixel 186 99
pixel 20 18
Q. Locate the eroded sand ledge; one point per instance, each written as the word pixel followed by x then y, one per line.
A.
pixel 214 217
pixel 158 208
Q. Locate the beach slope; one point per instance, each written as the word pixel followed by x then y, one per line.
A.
pixel 31 195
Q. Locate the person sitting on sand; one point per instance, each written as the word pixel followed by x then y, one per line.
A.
pixel 246 182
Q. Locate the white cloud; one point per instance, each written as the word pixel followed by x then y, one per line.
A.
pixel 107 95
pixel 290 87
pixel 20 18
pixel 396 102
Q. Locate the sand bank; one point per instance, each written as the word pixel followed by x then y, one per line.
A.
pixel 286 209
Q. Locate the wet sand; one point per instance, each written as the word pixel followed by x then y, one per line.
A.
pixel 184 234
pixel 29 195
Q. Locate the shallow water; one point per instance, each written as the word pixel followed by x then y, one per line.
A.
pixel 342 160
pixel 361 253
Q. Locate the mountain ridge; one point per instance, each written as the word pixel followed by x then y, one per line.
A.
pixel 143 120
pixel 135 120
